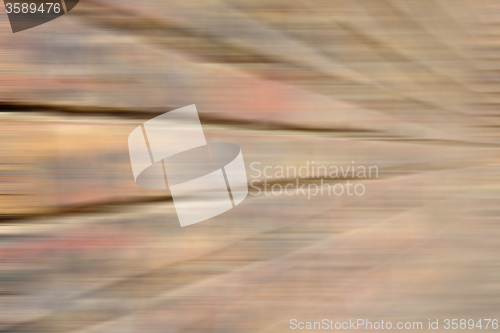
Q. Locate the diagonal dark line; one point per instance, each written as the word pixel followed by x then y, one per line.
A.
pixel 228 187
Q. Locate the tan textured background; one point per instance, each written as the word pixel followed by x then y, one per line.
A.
pixel 410 86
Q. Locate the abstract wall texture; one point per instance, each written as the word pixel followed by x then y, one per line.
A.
pixel 408 86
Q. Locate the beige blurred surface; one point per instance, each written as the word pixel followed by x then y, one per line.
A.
pixel 408 86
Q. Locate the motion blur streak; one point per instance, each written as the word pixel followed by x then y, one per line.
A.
pixel 408 86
